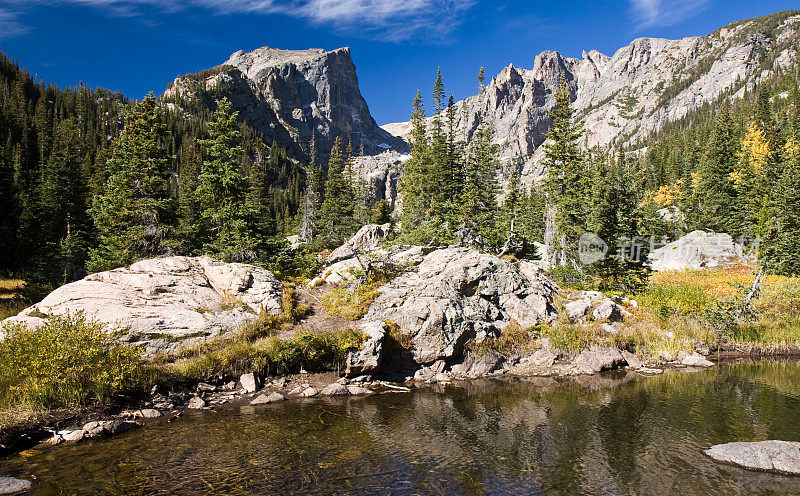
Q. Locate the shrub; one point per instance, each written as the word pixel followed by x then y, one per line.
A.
pixel 68 361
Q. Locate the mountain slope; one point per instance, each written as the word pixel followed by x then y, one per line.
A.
pixel 291 97
pixel 624 98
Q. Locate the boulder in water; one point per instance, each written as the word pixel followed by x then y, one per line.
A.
pixel 768 456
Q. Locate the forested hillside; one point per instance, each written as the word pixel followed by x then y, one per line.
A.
pixel 61 147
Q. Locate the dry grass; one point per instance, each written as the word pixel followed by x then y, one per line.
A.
pixel 11 300
pixel 350 303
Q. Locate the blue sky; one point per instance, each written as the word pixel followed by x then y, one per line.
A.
pixel 137 46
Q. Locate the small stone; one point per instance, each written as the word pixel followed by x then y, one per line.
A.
pixel 634 362
pixel 10 485
pixel 607 311
pixel 342 380
pixel 74 436
pixel 442 377
pixel 94 429
pixel 335 389
pixel 196 403
pixel 150 413
pixel 696 360
pixel 249 382
pixel 206 388
pixel 309 392
pixel 358 390
pixel 280 383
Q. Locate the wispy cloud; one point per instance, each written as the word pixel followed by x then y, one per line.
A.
pixel 390 20
pixel 649 13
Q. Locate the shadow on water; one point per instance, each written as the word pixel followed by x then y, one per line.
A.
pixel 616 434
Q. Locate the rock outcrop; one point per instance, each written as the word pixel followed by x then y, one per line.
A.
pixel 367 238
pixel 698 250
pixel 164 302
pixel 292 97
pixel 457 294
pixel 629 95
pixel 767 456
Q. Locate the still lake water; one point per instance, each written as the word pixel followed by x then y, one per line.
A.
pixel 616 434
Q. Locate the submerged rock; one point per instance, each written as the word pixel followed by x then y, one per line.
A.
pixel 769 456
pixel 264 399
pixel 196 403
pixel 457 294
pixel 165 301
pixel 11 486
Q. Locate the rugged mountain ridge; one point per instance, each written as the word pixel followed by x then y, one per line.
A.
pixel 292 97
pixel 635 92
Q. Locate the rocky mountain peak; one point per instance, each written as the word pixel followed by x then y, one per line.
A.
pixel 623 98
pixel 293 97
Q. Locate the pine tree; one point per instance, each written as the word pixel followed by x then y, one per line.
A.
pixel 337 215
pixel 313 197
pixel 135 215
pixel 615 218
pixel 415 183
pixel 565 184
pixel 228 222
pixel 479 209
pixel 780 224
pixel 718 198
pixel 64 199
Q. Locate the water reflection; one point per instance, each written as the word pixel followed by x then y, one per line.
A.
pixel 612 435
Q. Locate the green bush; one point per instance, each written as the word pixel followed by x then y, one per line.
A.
pixel 68 361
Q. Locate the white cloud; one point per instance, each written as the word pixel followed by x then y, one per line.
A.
pixel 391 20
pixel 649 13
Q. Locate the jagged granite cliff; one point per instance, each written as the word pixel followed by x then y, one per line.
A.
pixel 292 96
pixel 624 98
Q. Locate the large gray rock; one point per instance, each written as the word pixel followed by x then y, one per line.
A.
pixel 769 456
pixel 366 239
pixel 165 301
pixel 293 97
pixel 457 294
pixel 12 486
pixel 697 250
pixel 368 358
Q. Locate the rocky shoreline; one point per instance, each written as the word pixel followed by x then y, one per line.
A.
pixel 166 404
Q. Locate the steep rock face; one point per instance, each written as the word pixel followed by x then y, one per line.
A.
pixel 292 96
pixel 624 98
pixel 165 301
pixel 457 294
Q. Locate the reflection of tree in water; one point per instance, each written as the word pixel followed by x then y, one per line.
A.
pixel 612 434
